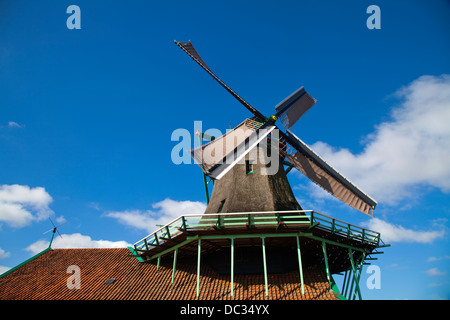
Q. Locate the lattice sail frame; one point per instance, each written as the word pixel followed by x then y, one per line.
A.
pixel 321 173
pixel 294 107
pixel 217 157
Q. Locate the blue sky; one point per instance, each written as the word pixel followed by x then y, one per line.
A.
pixel 86 117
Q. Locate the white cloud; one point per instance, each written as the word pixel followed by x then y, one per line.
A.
pixel 432 259
pixel 13 124
pixel 410 150
pixel 4 254
pixel 20 205
pixel 74 240
pixel 435 272
pixel 167 210
pixel 61 220
pixel 14 214
pixel 3 269
pixel 393 233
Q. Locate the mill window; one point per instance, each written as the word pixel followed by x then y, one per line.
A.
pixel 248 167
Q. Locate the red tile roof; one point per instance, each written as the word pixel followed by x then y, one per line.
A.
pixel 45 277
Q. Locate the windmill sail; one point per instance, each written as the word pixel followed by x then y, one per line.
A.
pixel 236 155
pixel 217 157
pixel 214 157
pixel 293 107
pixel 190 50
pixel 320 172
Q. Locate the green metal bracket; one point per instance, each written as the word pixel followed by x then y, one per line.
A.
pixel 165 239
pixel 134 253
pixel 218 225
pixel 183 223
pixel 249 222
pixel 168 232
pixel 202 136
pixel 313 225
pixel 206 188
pixel 181 244
pixel 279 222
pixel 207 137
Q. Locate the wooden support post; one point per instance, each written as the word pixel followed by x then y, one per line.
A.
pixel 354 275
pixel 352 283
pixel 348 283
pixel 199 248
pixel 344 283
pixel 174 264
pixel 265 266
pixel 232 267
pixel 359 276
pixel 327 269
pixel 300 265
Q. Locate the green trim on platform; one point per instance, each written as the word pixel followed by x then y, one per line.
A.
pixel 336 291
pixel 134 253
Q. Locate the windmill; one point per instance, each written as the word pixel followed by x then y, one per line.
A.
pixel 219 157
pixel 253 225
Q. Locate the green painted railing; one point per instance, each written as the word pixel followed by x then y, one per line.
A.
pixel 261 220
pixel 345 229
